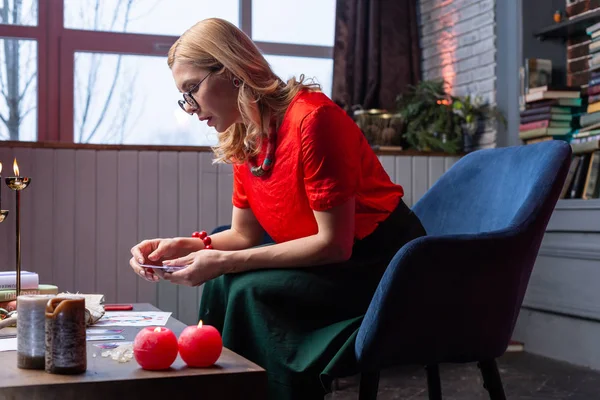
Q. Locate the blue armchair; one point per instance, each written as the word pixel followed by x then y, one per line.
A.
pixel 454 295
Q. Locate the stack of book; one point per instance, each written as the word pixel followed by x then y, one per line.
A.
pixel 29 285
pixel 583 178
pixel 586 138
pixel 550 113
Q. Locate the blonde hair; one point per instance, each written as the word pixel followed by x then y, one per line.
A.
pixel 219 46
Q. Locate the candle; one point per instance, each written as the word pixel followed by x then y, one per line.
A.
pixel 155 348
pixel 31 341
pixel 65 335
pixel 200 346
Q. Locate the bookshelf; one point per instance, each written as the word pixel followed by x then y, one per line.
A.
pixel 574 27
pixel 567 46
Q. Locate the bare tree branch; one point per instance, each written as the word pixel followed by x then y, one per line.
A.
pixel 30 109
pixel 4 13
pixel 96 14
pixel 107 101
pixel 10 83
pixel 27 84
pixel 115 16
pixel 148 11
pixel 17 5
pixel 115 79
pixel 11 52
pixel 91 83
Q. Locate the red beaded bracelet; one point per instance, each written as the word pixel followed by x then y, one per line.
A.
pixel 205 239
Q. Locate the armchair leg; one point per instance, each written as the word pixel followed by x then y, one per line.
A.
pixel 434 386
pixel 491 379
pixel 369 384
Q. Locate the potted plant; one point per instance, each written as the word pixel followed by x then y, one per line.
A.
pixel 475 113
pixel 436 120
pixel 430 122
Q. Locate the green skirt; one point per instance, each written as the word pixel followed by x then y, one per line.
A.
pixel 300 324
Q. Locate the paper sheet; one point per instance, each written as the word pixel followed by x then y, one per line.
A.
pixel 8 344
pixel 133 318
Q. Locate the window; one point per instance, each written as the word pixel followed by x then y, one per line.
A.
pixel 19 12
pixel 94 71
pixel 18 89
pixel 157 17
pixel 309 22
pixel 114 104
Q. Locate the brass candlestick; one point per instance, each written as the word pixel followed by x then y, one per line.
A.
pixel 18 183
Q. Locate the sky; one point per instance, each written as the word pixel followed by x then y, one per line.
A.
pixel 143 108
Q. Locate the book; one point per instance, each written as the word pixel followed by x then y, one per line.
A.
pixel 538 140
pixel 546 117
pixel 589 119
pixel 29 280
pixel 544 124
pixel 546 88
pixel 546 110
pixel 565 102
pixel 591 182
pixel 538 72
pixel 593 107
pixel 535 133
pixel 11 294
pixel 552 94
pixel 579 179
pixel 570 175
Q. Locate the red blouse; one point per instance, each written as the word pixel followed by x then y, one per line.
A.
pixel 321 160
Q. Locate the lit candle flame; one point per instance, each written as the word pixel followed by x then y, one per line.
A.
pixel 16 167
pixel 0 167
pixel 200 324
pixel 157 329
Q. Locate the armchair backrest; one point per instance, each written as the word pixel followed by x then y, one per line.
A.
pixel 493 189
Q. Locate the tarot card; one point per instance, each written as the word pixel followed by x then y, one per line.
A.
pixel 110 345
pixel 166 268
pixel 94 331
pixel 105 337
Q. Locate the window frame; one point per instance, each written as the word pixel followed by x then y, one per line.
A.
pixel 57 45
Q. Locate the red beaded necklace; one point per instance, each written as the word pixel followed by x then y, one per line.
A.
pixel 267 164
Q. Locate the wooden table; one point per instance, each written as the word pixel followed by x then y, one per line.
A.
pixel 232 377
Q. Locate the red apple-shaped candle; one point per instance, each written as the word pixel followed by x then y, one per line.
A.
pixel 200 346
pixel 155 348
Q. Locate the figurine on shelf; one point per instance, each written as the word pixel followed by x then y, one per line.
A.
pixel 558 16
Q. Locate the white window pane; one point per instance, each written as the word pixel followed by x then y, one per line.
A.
pixel 19 12
pixel 319 69
pixel 18 89
pixel 290 21
pixel 129 99
pixel 161 17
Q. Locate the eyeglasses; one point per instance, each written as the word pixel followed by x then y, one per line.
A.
pixel 189 99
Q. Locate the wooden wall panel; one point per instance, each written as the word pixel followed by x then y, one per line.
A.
pixel 86 208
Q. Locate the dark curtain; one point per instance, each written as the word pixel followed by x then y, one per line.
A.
pixel 376 52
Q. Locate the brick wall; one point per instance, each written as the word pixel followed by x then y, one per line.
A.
pixel 458 43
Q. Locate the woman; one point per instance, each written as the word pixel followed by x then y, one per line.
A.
pixel 304 173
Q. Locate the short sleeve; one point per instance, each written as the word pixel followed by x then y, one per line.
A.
pixel 330 143
pixel 239 198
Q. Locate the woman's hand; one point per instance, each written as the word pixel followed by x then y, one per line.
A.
pixel 155 251
pixel 202 266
